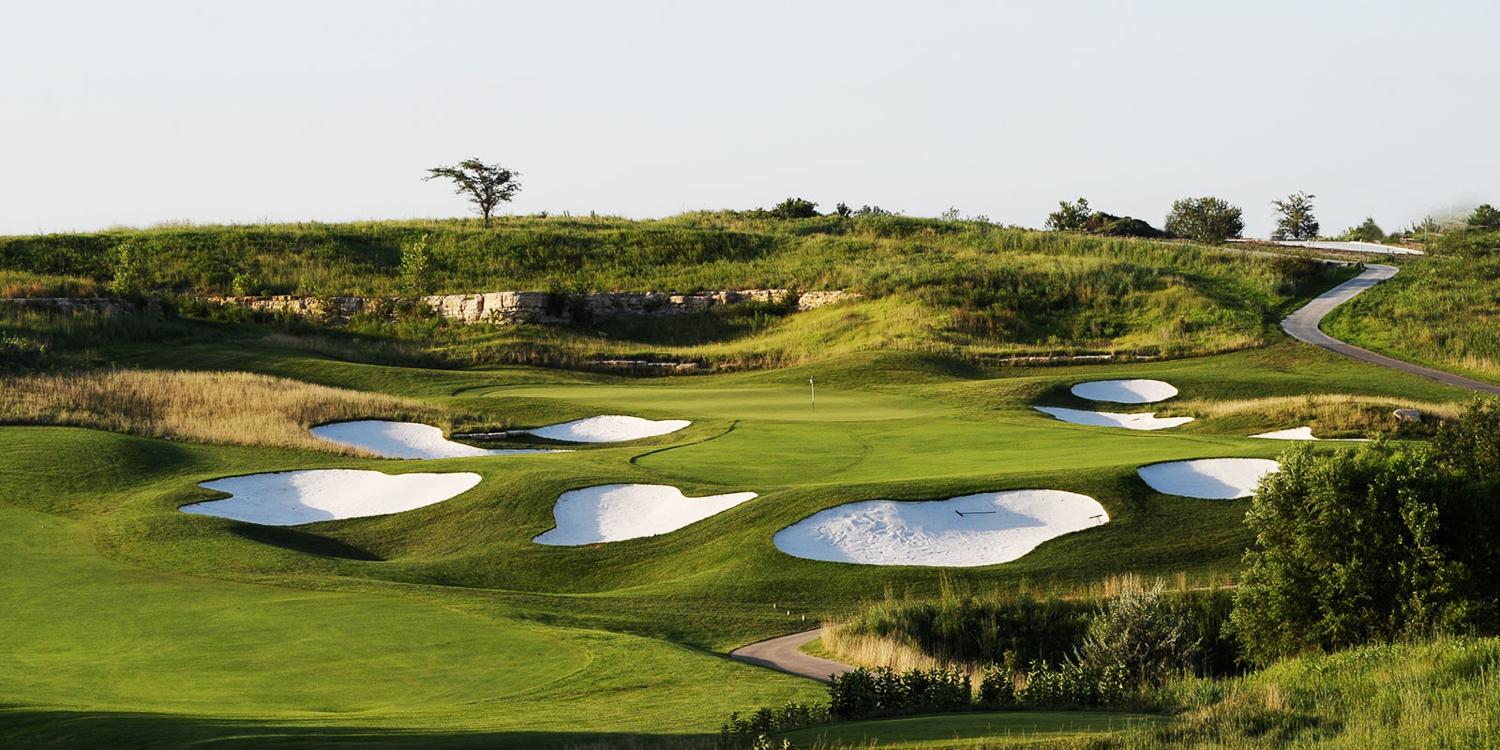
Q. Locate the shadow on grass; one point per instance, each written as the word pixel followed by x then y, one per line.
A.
pixel 25 728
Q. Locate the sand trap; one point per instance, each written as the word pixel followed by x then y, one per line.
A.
pixel 403 440
pixel 288 498
pixel 612 428
pixel 612 512
pixel 1208 478
pixel 1144 421
pixel 1302 433
pixel 1125 391
pixel 996 527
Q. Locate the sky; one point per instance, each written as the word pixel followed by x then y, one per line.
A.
pixel 141 113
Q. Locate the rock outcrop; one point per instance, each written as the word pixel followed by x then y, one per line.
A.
pixel 504 308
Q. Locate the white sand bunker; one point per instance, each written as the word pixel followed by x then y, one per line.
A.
pixel 403 440
pixel 613 512
pixel 1301 433
pixel 1208 478
pixel 1125 391
pixel 612 428
pixel 1144 421
pixel 288 498
pixel 984 529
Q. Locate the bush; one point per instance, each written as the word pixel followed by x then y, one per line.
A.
pixel 794 208
pixel 1369 545
pixel 129 272
pixel 1208 220
pixel 1485 216
pixel 1139 637
pixel 1069 217
pixel 416 269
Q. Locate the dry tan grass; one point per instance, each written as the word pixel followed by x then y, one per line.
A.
pixel 1328 413
pixel 232 408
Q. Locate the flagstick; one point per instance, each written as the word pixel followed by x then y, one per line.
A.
pixel 813 391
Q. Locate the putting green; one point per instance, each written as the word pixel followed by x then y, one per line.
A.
pixel 784 403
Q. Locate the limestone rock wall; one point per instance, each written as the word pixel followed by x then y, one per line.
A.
pixel 503 308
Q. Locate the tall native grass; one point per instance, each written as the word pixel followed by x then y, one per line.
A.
pixel 1016 626
pixel 1331 415
pixel 227 408
pixel 1442 311
pixel 975 285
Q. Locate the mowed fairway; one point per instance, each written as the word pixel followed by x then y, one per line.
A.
pixel 83 631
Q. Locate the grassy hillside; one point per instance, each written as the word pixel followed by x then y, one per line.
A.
pixel 929 284
pixel 1442 311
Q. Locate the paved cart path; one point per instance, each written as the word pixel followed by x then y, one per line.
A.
pixel 782 654
pixel 1303 326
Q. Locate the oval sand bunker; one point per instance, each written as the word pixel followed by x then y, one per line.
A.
pixel 612 428
pixel 1208 478
pixel 402 440
pixel 289 498
pixel 1144 421
pixel 612 512
pixel 1125 391
pixel 984 529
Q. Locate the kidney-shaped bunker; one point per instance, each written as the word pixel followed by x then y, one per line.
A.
pixel 1137 391
pixel 983 529
pixel 288 498
pixel 1208 478
pixel 614 512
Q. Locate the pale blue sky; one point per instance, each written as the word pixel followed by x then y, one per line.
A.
pixel 142 112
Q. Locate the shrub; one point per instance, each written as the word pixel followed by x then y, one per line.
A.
pixel 794 208
pixel 129 272
pixel 1208 220
pixel 1137 635
pixel 1069 217
pixel 1363 546
pixel 416 269
pixel 1485 216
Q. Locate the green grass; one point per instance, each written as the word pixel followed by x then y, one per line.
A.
pixel 943 286
pixel 1440 311
pixel 988 729
pixel 497 641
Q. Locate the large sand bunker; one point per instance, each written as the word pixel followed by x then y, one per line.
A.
pixel 1208 478
pixel 984 529
pixel 613 512
pixel 1125 391
pixel 288 498
pixel 402 440
pixel 1301 433
pixel 1144 421
pixel 611 428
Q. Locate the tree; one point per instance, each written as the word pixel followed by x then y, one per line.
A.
pixel 1069 217
pixel 843 210
pixel 1362 546
pixel 1294 218
pixel 1485 216
pixel 130 272
pixel 794 208
pixel 416 269
pixel 1209 220
pixel 486 185
pixel 1367 231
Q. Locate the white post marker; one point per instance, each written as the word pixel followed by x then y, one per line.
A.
pixel 813 391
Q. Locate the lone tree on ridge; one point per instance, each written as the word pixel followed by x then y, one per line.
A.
pixel 1294 218
pixel 486 185
pixel 1208 220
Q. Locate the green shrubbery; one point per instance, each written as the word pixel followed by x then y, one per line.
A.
pixel 1375 544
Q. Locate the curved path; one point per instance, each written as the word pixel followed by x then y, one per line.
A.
pixel 782 654
pixel 1303 326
